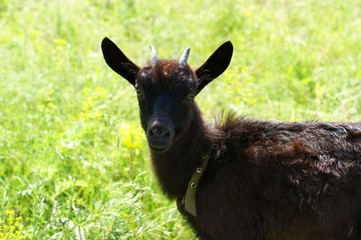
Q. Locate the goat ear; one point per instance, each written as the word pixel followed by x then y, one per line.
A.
pixel 215 65
pixel 117 61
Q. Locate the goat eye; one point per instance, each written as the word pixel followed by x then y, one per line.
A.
pixel 139 92
pixel 190 97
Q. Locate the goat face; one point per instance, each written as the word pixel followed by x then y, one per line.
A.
pixel 166 89
pixel 165 94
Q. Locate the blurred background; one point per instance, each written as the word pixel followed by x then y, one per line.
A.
pixel 74 163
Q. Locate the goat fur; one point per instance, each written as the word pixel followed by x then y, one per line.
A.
pixel 265 179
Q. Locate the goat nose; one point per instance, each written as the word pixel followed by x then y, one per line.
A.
pixel 159 131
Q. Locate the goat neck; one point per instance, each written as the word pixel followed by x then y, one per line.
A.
pixel 175 166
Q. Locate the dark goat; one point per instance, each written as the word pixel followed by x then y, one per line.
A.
pixel 264 179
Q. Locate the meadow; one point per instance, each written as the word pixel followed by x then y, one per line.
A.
pixel 74 162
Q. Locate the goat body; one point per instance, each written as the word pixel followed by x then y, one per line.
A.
pixel 264 179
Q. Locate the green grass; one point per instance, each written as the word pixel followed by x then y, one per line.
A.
pixel 73 158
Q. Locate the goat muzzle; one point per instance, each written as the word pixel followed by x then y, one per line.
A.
pixel 160 135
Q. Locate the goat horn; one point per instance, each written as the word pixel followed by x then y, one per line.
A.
pixel 183 59
pixel 153 55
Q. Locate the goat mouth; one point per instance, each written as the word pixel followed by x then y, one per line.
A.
pixel 158 149
pixel 159 145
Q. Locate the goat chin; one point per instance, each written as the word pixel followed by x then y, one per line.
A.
pixel 158 149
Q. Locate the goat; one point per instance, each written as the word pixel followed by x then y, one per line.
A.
pixel 242 178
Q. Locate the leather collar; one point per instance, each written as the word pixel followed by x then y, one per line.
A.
pixel 187 204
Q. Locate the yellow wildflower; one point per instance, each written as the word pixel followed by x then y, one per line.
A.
pixel 131 136
pixel 60 42
pixel 12 227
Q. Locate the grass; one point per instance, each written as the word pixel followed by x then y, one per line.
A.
pixel 73 158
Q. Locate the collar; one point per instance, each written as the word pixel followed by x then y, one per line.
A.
pixel 187 204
